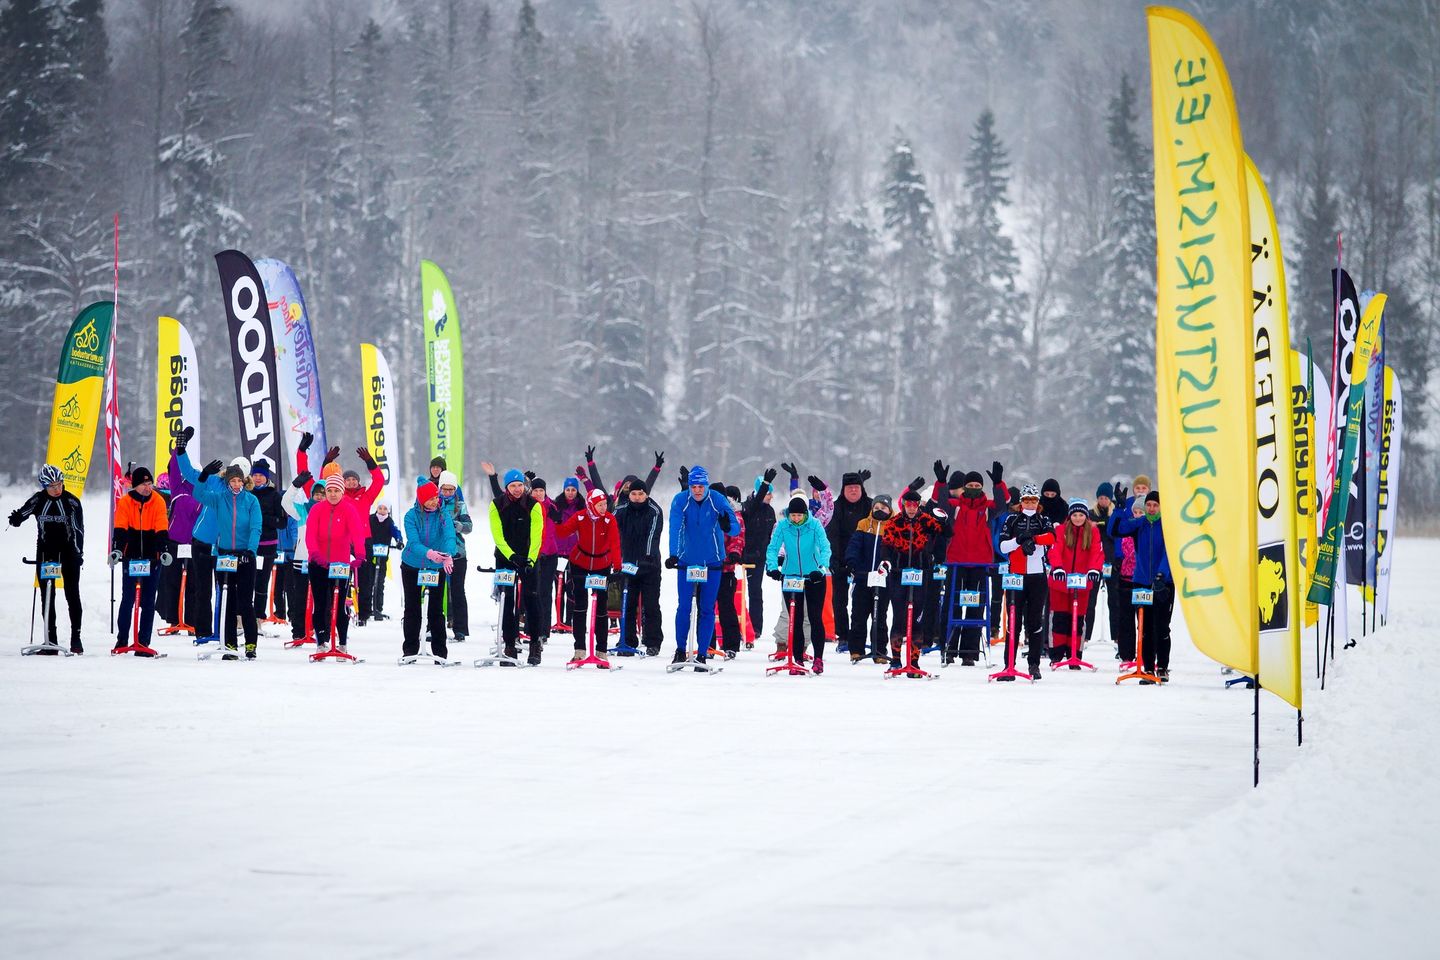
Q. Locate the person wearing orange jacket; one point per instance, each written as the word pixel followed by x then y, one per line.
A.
pixel 1078 548
pixel 142 529
pixel 596 550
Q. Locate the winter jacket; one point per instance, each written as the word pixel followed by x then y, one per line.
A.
pixel 335 533
pixel 203 529
pixel 597 541
pixel 1151 561
pixel 971 540
pixel 426 530
pixel 287 533
pixel 272 513
pixel 910 541
pixel 640 529
pixel 822 505
pixel 863 554
pixel 364 497
pixel 59 524
pixel 1037 528
pixel 236 516
pixel 184 508
pixel 383 532
pixel 297 505
pixel 549 546
pixel 565 509
pixel 1054 508
pixel 459 514
pixel 844 520
pixel 807 548
pixel 759 519
pixel 517 525
pixel 1073 559
pixel 696 535
pixel 141 526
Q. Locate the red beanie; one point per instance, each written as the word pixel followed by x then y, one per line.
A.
pixel 426 492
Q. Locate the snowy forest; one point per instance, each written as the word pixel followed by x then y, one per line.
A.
pixel 849 233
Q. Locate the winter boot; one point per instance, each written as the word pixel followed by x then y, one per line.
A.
pixel 1163 673
pixel 76 646
pixel 249 651
pixel 679 656
pixel 817 666
pixel 652 651
pixel 534 658
pixel 856 656
pixel 231 652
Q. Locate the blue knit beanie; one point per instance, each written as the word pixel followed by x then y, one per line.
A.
pixel 698 475
pixel 1105 490
pixel 513 476
pixel 570 482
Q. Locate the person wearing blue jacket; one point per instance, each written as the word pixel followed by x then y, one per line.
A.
pixel 699 519
pixel 235 514
pixel 801 537
pixel 429 545
pixel 1152 569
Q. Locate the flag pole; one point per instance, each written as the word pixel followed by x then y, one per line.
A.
pixel 110 384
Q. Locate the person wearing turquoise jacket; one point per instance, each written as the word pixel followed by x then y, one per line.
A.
pixel 699 520
pixel 801 538
pixel 429 545
pixel 236 515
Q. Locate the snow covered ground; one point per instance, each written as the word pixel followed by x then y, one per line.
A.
pixel 282 808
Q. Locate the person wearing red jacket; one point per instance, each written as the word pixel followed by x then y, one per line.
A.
pixel 596 550
pixel 364 497
pixel 1078 548
pixel 335 532
pixel 970 544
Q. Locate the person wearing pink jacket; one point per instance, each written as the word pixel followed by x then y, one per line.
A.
pixel 335 532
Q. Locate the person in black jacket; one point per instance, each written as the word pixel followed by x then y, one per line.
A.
pixel 1104 495
pixel 383 533
pixel 517 524
pixel 852 506
pixel 642 521
pixel 1052 505
pixel 759 519
pixel 272 518
pixel 59 538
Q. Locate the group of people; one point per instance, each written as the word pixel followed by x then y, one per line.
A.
pixel 879 580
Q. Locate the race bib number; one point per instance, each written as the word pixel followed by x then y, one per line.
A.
pixel 596 581
pixel 504 578
pixel 279 556
pixel 259 562
pixel 380 550
pixel 561 565
pixel 428 578
pixel 939 572
pixel 138 568
pixel 911 577
pixel 183 551
pixel 1075 581
pixel 227 563
pixel 1142 598
pixel 697 574
pixel 793 585
pixel 629 569
pixel 967 598
pixel 339 571
pixel 305 568
pixel 876 578
pixel 1013 581
pixel 49 571
pixel 1108 569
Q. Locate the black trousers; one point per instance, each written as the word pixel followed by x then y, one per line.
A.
pixel 997 598
pixel 365 588
pixel 867 602
pixel 70 571
pixel 934 619
pixel 510 612
pixel 200 587
pixel 372 587
pixel 297 593
pixel 262 579
pixel 148 586
pixel 900 600
pixel 812 601
pixel 280 590
pixel 1122 617
pixel 643 599
pixel 239 589
pixel 1157 626
pixel 433 599
pixel 167 592
pixel 545 573
pixel 731 634
pixel 755 595
pixel 579 599
pixel 1028 608
pixel 1090 607
pixel 322 588
pixel 840 600
pixel 459 607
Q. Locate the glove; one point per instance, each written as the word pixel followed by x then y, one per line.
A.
pixel 301 478
pixel 590 453
pixel 521 563
pixel 449 564
pixel 815 576
pixel 684 477
pixel 996 473
pixel 458 524
pixel 364 454
pixel 659 459
pixel 1121 492
pixel 580 473
pixel 942 471
pixel 211 469
pixel 732 557
pixel 790 469
pixel 331 454
pixel 773 574
pixel 183 441
pixel 1027 544
pixel 672 563
pixel 864 475
pixel 434 556
pixel 166 559
pixel 305 440
pixel 246 556
pixel 815 482
pixel 1092 577
pixel 724 522
pixel 15 518
pixel 553 513
pixel 1057 574
pixel 529 475
pixel 115 557
pixel 769 475
pixel 916 484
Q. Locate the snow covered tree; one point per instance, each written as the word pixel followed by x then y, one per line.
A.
pixel 1311 291
pixel 853 345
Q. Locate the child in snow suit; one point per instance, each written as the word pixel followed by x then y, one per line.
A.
pixel 596 551
pixel 141 533
pixel 429 540
pixel 59 538
pixel 1077 549
pixel 518 526
pixel 807 554
pixel 863 557
pixel 699 520
pixel 1023 539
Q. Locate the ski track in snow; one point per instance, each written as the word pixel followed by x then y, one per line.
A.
pixel 282 808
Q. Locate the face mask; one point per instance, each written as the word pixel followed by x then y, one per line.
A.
pixel 879 515
pixel 970 493
pixel 1028 512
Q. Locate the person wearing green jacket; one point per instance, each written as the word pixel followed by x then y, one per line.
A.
pixel 517 524
pixel 801 538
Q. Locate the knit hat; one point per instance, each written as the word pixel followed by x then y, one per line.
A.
pixel 1078 505
pixel 448 479
pixel 972 477
pixel 1153 496
pixel 733 493
pixel 347 475
pixel 718 487
pixel 438 462
pixel 884 498
pixel 1105 489
pixel 513 476
pixel 233 472
pixel 243 463
pixel 1141 481
pixel 330 469
pixel 49 474
pixel 537 484
pixel 262 467
pixel 141 475
pixel 1050 486
pixel 333 482
pixel 1014 495
pixel 569 482
pixel 798 503
pixel 699 475
pixel 1029 490
pixel 426 492
pixel 851 477
pixel 913 496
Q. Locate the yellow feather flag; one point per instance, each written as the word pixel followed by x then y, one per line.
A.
pixel 1278 573
pixel 177 391
pixel 1204 365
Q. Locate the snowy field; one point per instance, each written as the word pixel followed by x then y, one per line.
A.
pixel 177 808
